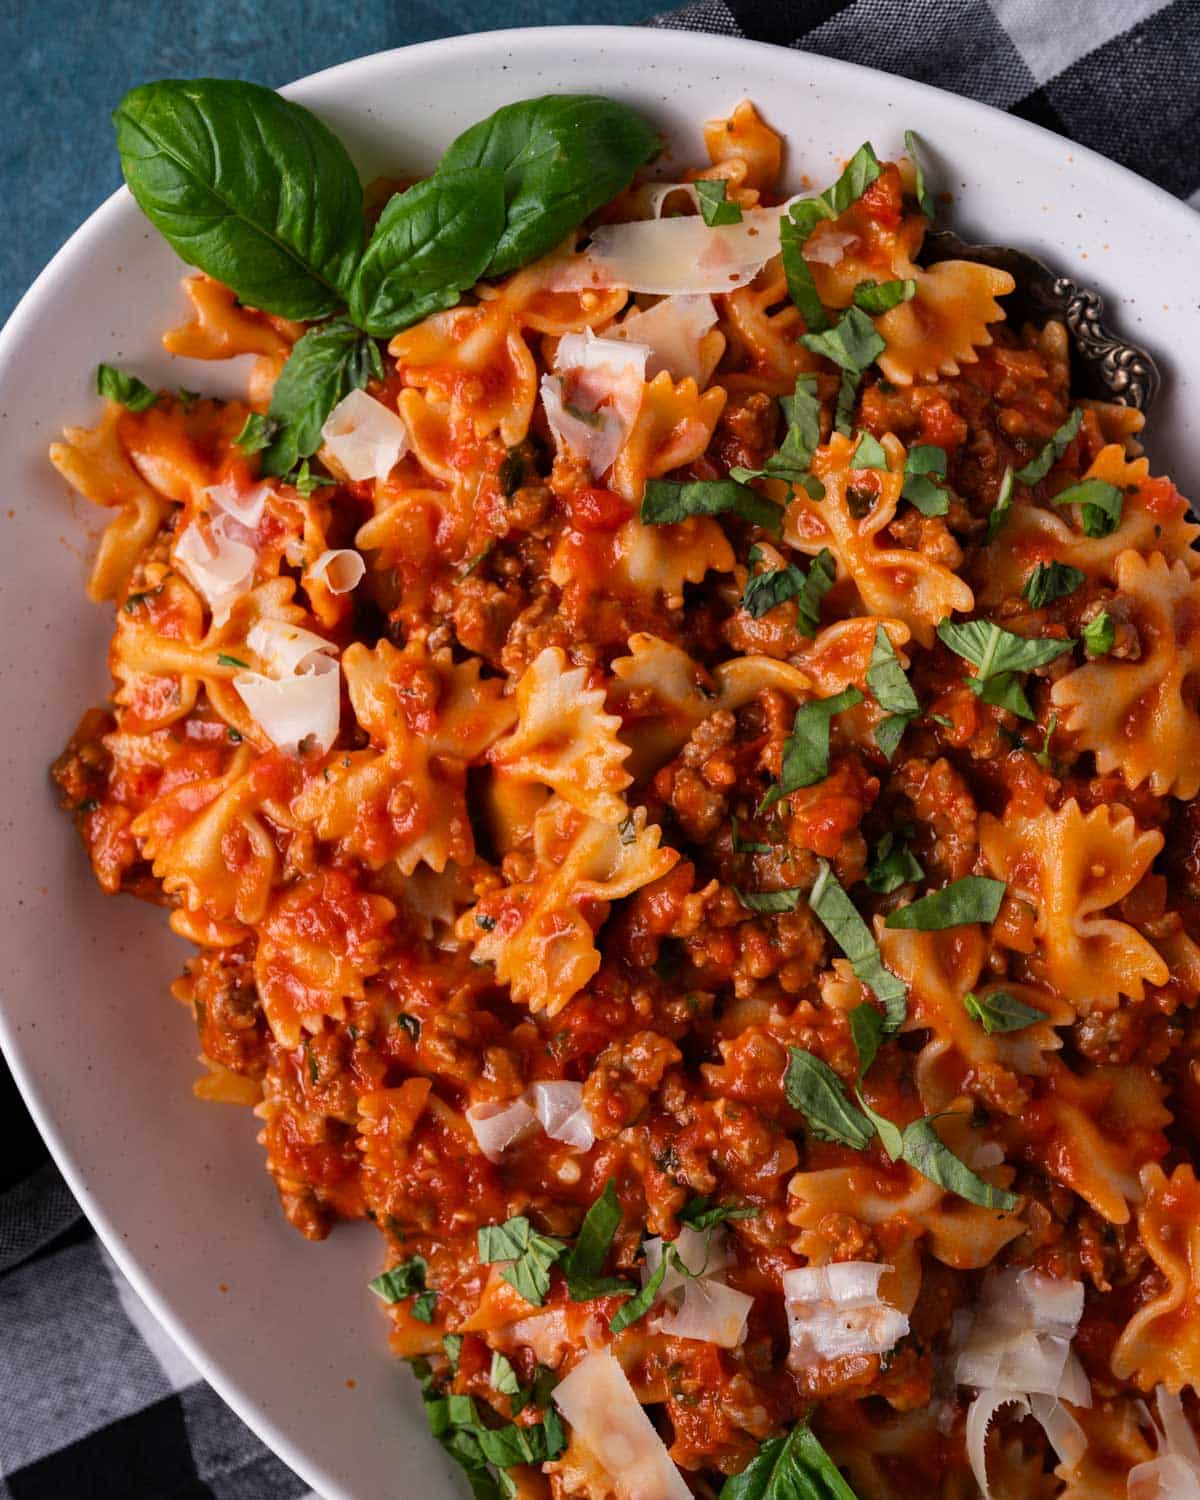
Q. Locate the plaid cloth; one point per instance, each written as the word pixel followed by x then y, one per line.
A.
pixel 95 1400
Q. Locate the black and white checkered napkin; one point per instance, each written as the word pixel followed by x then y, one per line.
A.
pixel 95 1400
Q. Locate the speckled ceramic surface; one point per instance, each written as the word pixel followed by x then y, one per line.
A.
pixel 285 1330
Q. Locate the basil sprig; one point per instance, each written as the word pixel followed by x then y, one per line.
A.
pixel 794 1467
pixel 803 217
pixel 839 916
pixel 119 385
pixel 974 898
pixel 715 207
pixel 997 655
pixel 666 501
pixel 1039 466
pixel 813 1088
pixel 806 749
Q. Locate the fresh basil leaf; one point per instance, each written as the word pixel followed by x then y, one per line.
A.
pixel 794 229
pixel 993 650
pixel 1100 505
pixel 249 187
pixel 929 498
pixel 562 156
pixel 1004 504
pixel 404 1280
pixel 868 453
pixel 745 846
pixel 1005 691
pixel 868 1028
pixel 583 1265
pixel 715 207
pixel 257 431
pixel 503 1377
pixel 890 1136
pixel 817 1092
pixel 423 1307
pixel 1037 468
pixel 641 1302
pixel 668 500
pixel 1099 635
pixel 877 297
pixel 806 749
pixel 889 732
pixel 119 385
pixel 925 1152
pixel 431 243
pixel 328 363
pixel 974 898
pixel 822 572
pixel 857 176
pixel 802 412
pixel 885 677
pixel 770 901
pixel 847 399
pixel 892 865
pixel 764 591
pixel 795 1467
pixel 925 458
pixel 840 918
pixel 1000 1011
pixel 698 1215
pixel 924 201
pixel 1051 581
pixel 852 343
pixel 530 1255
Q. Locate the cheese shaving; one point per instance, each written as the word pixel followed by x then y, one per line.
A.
pixel 247 508
pixel 710 1311
pixel 1174 1472
pixel 671 330
pixel 285 649
pixel 836 1310
pixel 496 1127
pixel 216 565
pixel 560 1109
pixel 365 438
pixel 294 712
pixel 340 569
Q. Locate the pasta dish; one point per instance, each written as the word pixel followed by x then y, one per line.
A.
pixel 675 738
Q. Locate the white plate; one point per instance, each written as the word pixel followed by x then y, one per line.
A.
pixel 103 1055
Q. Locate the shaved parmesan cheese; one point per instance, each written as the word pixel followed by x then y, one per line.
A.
pixel 710 1311
pixel 595 437
pixel 1066 1436
pixel 607 1419
pixel 365 437
pixel 247 508
pixel 979 1419
pixel 340 570
pixel 668 256
pixel 285 649
pixel 584 351
pixel 299 710
pixel 1174 1473
pixel 672 330
pixel 219 567
pixel 655 195
pixel 836 1310
pixel 826 245
pixel 498 1126
pixel 592 405
pixel 1021 1338
pixel 703 1252
pixel 560 1109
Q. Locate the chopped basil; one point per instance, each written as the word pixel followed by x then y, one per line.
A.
pixel 119 385
pixel 188 399
pixel 641 1302
pixel 530 1255
pixel 840 918
pixel 881 296
pixel 996 654
pixel 794 1467
pixel 454 1421
pixel 926 1153
pixel 869 453
pixel 803 217
pixel 583 1265
pixel 404 1280
pixel 889 732
pixel 715 206
pixel 1050 581
pixel 770 901
pixel 924 201
pixel 892 865
pixel 868 1029
pixel 847 397
pixel 929 498
pixel 885 677
pixel 304 482
pixel 974 898
pixel 1037 468
pixel 802 410
pixel 452 1343
pixel 410 1024
pixel 1100 505
pixel 668 500
pixel 511 473
pixel 1099 635
pixel 225 660
pixel 423 1307
pixel 816 1091
pixel 257 433
pixel 765 590
pixel 502 1375
pixel 822 572
pixel 697 1214
pixel 744 846
pixel 853 343
pixel 806 749
pixel 89 804
pixel 1000 1011
pixel 1004 503
pixel 1042 756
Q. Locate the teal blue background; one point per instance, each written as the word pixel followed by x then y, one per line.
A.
pixel 64 64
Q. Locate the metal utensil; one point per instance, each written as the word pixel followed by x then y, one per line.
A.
pixel 1103 365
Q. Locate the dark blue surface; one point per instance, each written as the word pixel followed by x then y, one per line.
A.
pixel 64 64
